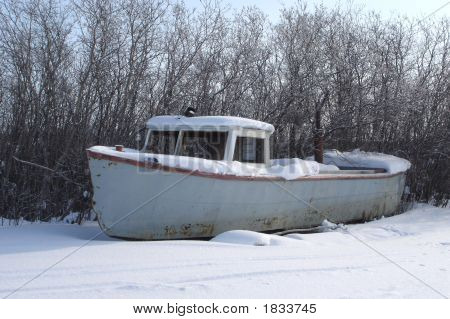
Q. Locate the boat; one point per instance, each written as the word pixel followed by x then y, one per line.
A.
pixel 199 176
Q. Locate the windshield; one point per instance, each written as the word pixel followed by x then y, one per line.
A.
pixel 201 144
pixel 162 142
pixel 208 145
pixel 249 150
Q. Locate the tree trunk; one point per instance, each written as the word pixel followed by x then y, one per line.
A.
pixel 318 139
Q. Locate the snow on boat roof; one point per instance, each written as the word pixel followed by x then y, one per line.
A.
pixel 196 123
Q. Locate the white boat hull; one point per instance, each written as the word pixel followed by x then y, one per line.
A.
pixel 145 201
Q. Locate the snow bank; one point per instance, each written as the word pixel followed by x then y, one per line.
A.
pixel 247 237
pixel 177 122
pixel 285 168
pixel 357 158
pixel 320 265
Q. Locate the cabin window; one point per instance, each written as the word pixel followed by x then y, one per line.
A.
pixel 162 142
pixel 208 145
pixel 249 150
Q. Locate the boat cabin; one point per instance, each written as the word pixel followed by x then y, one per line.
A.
pixel 222 138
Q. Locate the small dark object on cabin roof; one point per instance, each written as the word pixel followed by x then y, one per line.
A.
pixel 190 112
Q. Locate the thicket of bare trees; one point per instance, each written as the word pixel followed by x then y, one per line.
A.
pixel 74 74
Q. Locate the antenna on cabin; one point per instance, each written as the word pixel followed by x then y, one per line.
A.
pixel 190 112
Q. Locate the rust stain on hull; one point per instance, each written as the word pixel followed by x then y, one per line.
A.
pixel 189 231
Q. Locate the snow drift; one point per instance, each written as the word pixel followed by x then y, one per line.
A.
pixel 321 265
pixel 247 237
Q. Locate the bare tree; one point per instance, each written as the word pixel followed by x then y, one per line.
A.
pixel 74 74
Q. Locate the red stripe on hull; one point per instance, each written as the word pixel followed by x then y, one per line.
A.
pixel 156 166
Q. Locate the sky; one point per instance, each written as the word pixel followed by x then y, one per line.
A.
pixel 411 8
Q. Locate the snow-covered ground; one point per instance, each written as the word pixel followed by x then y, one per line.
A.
pixel 239 264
